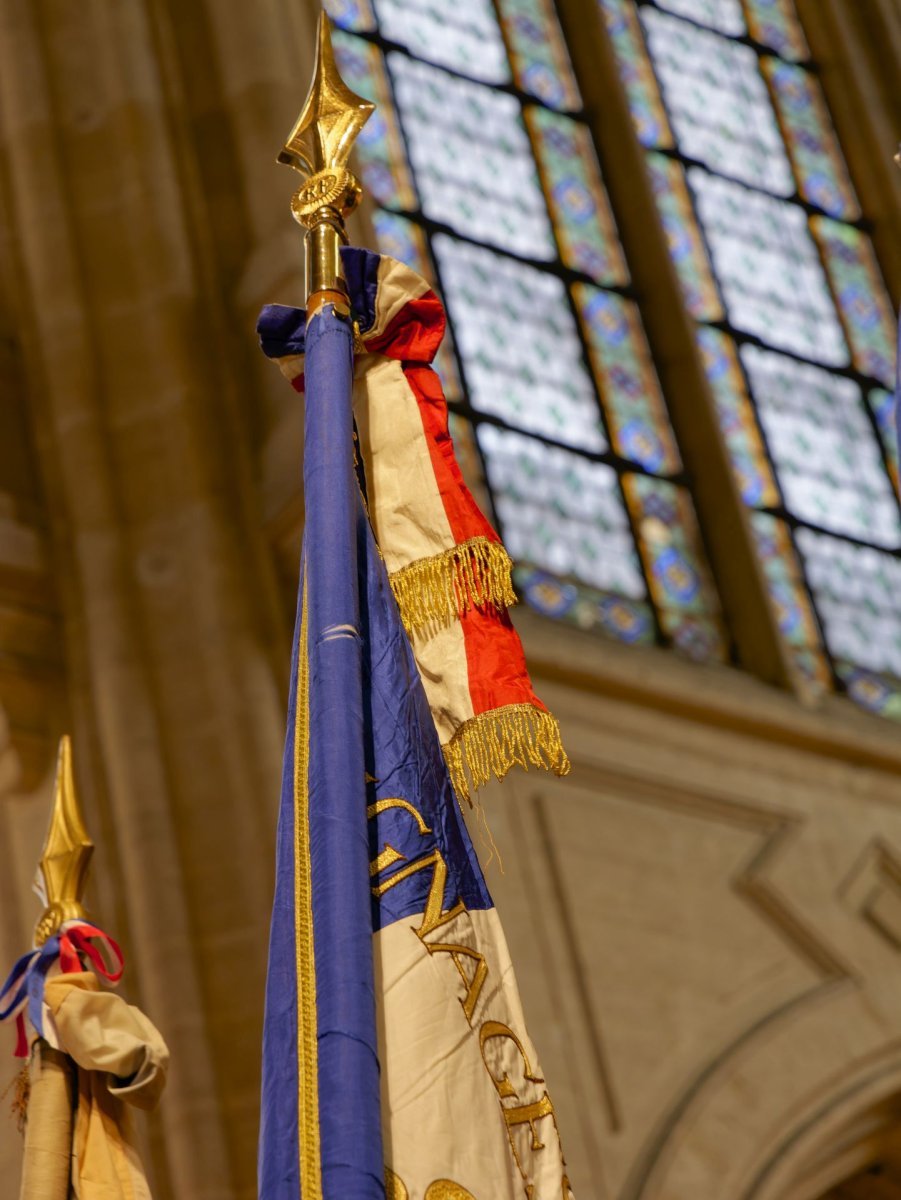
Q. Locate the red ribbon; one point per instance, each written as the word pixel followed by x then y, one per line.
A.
pixel 106 957
pixel 21 1037
pixel 24 988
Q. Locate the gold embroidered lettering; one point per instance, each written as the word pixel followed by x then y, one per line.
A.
pixel 528 1114
pixel 473 969
pixel 493 1029
pixel 445 1189
pixel 394 1186
pixel 474 985
pixel 438 1189
pixel 435 914
pixel 388 857
pixel 381 806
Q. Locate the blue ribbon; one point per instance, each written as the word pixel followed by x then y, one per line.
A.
pixel 25 983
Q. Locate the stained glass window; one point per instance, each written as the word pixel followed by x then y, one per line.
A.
pixel 824 448
pixel 774 24
pixel 464 37
pixel 572 182
pixel 724 15
pixel 856 589
pixel 790 599
pixel 770 274
pixel 738 422
pixel 718 102
pixel 860 293
pixel 686 246
pixel 520 345
pixel 379 147
pixel 463 138
pixel 485 178
pixel 635 411
pixel 540 63
pixel 882 405
pixel 794 326
pixel 562 512
pixel 820 170
pixel 648 113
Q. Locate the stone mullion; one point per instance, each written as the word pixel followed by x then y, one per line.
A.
pixel 670 328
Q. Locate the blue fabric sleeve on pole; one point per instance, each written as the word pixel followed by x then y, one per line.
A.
pixel 350 1124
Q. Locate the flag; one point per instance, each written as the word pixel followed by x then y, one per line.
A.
pixel 448 570
pixel 395 1059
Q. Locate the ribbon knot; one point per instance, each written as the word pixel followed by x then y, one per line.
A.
pixel 23 990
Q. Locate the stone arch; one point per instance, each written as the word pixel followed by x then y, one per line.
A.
pixel 843 1135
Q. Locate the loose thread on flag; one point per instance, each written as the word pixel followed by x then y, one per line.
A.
pixel 473 574
pixel 20 1086
pixel 486 837
pixel 490 743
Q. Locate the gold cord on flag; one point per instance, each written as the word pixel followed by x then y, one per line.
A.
pixel 307 1052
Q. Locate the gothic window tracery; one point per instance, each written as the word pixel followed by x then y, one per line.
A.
pixel 485 178
pixel 793 321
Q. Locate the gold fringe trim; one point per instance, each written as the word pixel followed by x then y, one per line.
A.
pixel 490 743
pixel 474 573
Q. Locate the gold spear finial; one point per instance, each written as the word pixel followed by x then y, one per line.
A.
pixel 331 118
pixel 63 866
pixel 319 147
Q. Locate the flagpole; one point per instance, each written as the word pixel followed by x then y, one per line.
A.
pixel 92 1053
pixel 320 1063
pixel 47 1158
pixel 63 871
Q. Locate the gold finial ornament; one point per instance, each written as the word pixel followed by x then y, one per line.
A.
pixel 319 148
pixel 63 867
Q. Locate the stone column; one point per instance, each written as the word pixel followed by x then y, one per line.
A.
pixel 144 416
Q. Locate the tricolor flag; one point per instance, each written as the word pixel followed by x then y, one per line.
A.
pixel 396 1062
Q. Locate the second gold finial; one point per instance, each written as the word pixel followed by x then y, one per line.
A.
pixel 63 866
